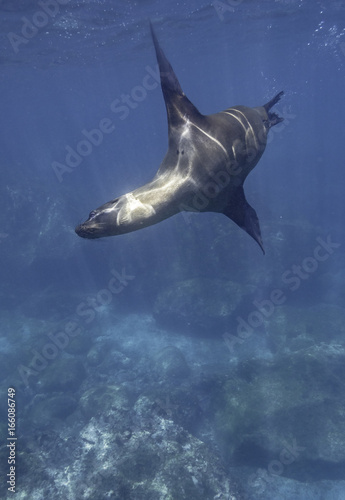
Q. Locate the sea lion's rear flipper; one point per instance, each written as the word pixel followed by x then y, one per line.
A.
pixel 273 118
pixel 273 101
pixel 244 215
pixel 179 107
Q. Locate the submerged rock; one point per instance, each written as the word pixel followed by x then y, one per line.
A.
pixel 132 455
pixel 292 403
pixel 161 462
pixel 260 484
pixel 63 375
pixel 43 412
pixel 103 400
pixel 293 328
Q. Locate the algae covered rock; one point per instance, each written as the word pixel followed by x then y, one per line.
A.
pixel 140 466
pixel 183 468
pixel 132 455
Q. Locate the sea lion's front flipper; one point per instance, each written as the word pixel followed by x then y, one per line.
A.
pixel 244 215
pixel 179 107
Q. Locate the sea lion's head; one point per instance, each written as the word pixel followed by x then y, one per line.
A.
pixel 119 216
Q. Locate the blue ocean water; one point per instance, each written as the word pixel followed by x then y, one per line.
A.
pixel 178 361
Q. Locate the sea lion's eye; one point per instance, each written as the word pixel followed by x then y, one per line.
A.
pixel 92 214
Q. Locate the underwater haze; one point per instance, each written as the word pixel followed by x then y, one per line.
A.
pixel 174 362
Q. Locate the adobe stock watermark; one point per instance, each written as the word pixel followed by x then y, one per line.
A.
pixel 39 20
pixel 122 107
pixel 86 311
pixel 222 7
pixel 293 277
pixel 262 477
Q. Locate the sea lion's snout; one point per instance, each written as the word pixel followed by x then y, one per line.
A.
pixel 79 231
pixel 90 228
pixel 85 231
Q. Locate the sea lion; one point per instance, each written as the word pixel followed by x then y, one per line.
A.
pixel 208 160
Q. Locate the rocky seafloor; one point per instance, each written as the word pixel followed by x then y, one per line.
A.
pixel 131 409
